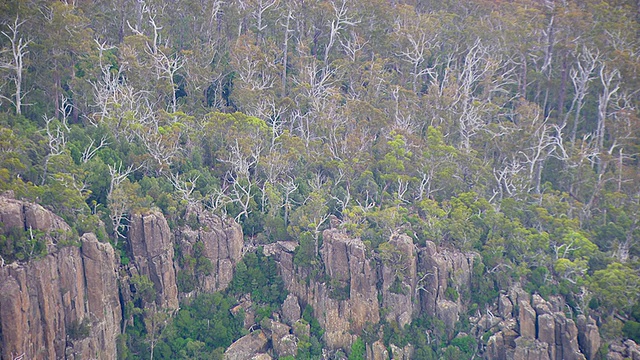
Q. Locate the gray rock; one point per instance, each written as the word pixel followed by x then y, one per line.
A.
pixel 291 309
pixel 527 319
pixel 152 249
pixel 547 333
pixel 530 349
pixel 588 336
pixel 247 347
pixel 505 307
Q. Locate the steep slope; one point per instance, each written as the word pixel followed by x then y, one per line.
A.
pixel 64 305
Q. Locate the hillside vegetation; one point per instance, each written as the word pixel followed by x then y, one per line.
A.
pixel 505 128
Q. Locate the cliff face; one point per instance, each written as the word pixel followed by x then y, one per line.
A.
pixel 442 269
pixel 408 281
pixel 221 243
pixel 151 246
pixel 45 304
pixel 66 305
pixel 536 329
pixel 403 281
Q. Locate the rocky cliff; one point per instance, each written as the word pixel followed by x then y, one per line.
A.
pixel 349 300
pixel 529 327
pixel 407 279
pixel 151 245
pixel 64 305
pixel 220 241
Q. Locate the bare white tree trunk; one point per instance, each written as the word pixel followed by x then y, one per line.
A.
pixel 16 62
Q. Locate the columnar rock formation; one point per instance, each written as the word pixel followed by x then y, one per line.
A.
pixel 411 280
pixel 152 249
pixel 64 305
pixel 222 244
pixel 536 329
pixel 441 269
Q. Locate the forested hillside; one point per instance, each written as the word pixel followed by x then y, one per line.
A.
pixel 505 129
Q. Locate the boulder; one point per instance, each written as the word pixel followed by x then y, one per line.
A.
pixel 247 347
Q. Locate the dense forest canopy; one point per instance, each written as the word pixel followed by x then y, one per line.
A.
pixel 510 128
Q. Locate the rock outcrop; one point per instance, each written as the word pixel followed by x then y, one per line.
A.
pixel 377 351
pixel 221 242
pixel 588 336
pixel 542 331
pixel 291 311
pixel 407 280
pixel 283 342
pixel 25 215
pixel 64 305
pixel 152 250
pixel 247 347
pixel 444 274
pixel 627 349
pixel 349 300
pixel 399 277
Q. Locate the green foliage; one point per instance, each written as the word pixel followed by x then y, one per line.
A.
pixel 357 350
pixel 257 275
pixel 202 328
pixel 22 245
pixel 504 158
pixel 79 330
pixel 631 330
pixel 467 346
pixel 144 289
pixel 617 287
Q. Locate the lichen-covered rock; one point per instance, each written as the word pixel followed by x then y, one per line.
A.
pixel 283 342
pixel 547 333
pixel 262 356
pixel 439 269
pixel 633 349
pixel 567 338
pixel 405 353
pixel 448 312
pixel 152 249
pixel 346 303
pixel 497 347
pixel 530 349
pixel 505 307
pixel 378 351
pixel 542 332
pixel 17 214
pixel 247 346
